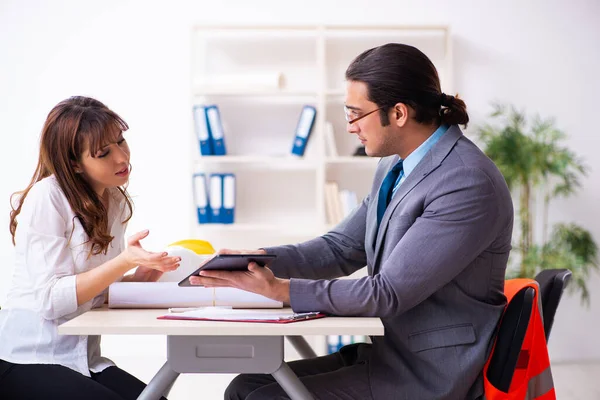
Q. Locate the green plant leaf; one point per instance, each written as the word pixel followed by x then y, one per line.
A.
pixel 529 152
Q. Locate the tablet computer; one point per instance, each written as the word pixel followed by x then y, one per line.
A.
pixel 230 262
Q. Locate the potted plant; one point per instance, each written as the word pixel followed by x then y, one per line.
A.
pixel 538 168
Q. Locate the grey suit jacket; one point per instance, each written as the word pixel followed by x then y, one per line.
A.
pixel 436 272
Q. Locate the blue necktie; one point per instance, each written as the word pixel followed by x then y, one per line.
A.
pixel 386 190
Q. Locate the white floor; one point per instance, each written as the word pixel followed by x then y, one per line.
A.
pixel 572 381
pixel 577 381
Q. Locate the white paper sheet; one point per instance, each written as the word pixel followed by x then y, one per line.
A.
pixel 237 315
pixel 168 294
pixel 190 261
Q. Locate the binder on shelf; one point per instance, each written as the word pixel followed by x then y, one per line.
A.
pixel 333 205
pixel 336 342
pixel 345 340
pixel 359 339
pixel 228 206
pixel 333 343
pixel 349 201
pixel 201 199
pixel 303 129
pixel 202 130
pixel 330 140
pixel 215 198
pixel 216 130
pixel 338 203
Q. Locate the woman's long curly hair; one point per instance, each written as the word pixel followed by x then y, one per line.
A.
pixel 72 125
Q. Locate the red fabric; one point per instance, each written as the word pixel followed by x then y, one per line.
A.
pixel 533 359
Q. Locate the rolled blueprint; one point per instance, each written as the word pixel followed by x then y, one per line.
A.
pixel 168 294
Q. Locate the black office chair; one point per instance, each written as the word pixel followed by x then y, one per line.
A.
pixel 552 284
pixel 510 336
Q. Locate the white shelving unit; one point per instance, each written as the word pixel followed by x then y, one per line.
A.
pixel 273 72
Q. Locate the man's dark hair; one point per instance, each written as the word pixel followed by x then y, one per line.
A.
pixel 399 73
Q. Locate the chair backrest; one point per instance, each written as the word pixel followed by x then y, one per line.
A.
pixel 552 284
pixel 509 339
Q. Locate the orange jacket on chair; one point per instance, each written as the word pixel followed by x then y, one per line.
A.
pixel 532 379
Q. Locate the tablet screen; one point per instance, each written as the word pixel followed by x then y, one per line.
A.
pixel 231 262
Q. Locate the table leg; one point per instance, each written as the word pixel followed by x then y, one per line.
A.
pixel 290 383
pixel 160 384
pixel 168 389
pixel 302 346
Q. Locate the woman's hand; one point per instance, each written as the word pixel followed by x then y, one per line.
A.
pixel 135 256
pixel 144 274
pixel 90 283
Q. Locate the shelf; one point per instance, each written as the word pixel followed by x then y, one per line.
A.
pixel 312 31
pixel 256 32
pixel 260 77
pixel 335 92
pixel 261 228
pixel 346 32
pixel 283 162
pixel 250 92
pixel 357 160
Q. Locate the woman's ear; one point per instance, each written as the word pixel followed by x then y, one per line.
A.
pixel 400 114
pixel 76 168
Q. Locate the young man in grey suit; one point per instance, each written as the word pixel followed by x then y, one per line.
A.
pixel 434 233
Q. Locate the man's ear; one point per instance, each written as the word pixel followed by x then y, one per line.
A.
pixel 400 114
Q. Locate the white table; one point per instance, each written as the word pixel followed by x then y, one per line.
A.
pixel 220 347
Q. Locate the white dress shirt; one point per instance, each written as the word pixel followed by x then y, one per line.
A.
pixel 50 250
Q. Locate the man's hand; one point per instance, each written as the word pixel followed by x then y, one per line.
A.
pixel 257 279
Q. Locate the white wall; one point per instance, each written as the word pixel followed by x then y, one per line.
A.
pixel 135 57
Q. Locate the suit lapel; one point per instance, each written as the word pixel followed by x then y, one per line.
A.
pixel 428 164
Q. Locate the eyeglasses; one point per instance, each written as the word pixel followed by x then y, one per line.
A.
pixel 350 120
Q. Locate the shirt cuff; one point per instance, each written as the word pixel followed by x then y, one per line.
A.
pixel 64 297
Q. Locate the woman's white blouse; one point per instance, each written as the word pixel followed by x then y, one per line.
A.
pixel 50 250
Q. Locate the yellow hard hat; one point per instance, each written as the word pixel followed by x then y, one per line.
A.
pixel 196 245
